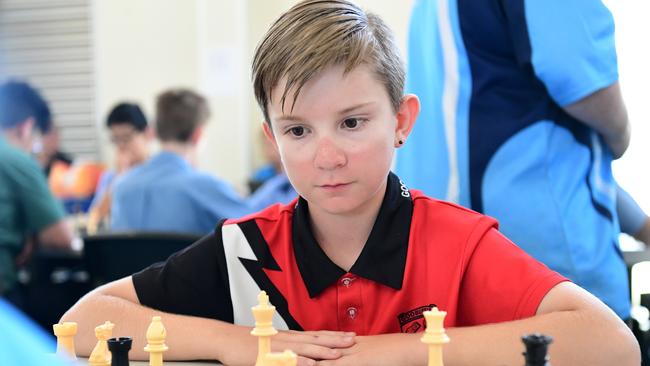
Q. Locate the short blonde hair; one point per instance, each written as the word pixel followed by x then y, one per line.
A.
pixel 316 34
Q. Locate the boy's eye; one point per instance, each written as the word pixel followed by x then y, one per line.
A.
pixel 351 123
pixel 297 131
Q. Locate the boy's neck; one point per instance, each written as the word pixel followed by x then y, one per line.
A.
pixel 342 237
pixel 186 151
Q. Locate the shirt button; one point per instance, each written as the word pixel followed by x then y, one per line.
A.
pixel 352 312
pixel 347 281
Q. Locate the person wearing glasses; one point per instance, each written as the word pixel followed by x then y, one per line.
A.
pixel 130 134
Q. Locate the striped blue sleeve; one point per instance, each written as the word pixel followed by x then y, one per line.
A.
pixel 572 47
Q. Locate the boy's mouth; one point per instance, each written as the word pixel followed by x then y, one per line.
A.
pixel 333 185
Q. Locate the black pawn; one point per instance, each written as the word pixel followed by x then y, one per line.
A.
pixel 120 347
pixel 536 349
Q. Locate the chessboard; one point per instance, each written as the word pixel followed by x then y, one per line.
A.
pixel 114 351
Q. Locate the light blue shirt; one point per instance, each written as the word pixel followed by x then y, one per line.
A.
pixel 275 190
pixel 22 342
pixel 493 77
pixel 167 194
pixel 103 187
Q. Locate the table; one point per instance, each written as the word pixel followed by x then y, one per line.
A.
pixel 84 362
pixel 170 363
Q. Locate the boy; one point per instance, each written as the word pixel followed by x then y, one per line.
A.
pixel 358 253
pixel 131 135
pixel 167 193
pixel 27 206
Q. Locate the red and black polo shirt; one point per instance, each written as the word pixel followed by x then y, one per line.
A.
pixel 421 252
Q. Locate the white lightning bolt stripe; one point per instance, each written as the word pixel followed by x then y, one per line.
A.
pixel 243 288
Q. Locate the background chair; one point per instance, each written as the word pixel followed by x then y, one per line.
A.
pixel 109 257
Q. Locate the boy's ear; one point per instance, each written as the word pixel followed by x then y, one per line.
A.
pixel 408 112
pixel 149 133
pixel 25 128
pixel 268 132
pixel 196 135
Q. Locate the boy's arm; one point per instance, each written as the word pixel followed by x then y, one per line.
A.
pixel 188 337
pixel 605 112
pixel 584 331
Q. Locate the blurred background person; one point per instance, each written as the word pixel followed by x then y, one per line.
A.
pixel 634 221
pixel 521 119
pixel 269 184
pixel 49 151
pixel 131 135
pixel 167 193
pixel 27 207
pixel 271 167
pixel 22 342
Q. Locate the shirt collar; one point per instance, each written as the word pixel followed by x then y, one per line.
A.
pixel 166 158
pixel 383 257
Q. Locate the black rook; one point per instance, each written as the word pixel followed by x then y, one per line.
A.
pixel 536 349
pixel 120 347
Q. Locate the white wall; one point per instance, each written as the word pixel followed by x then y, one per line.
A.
pixel 632 29
pixel 145 46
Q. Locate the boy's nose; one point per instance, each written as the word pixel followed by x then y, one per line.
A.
pixel 328 155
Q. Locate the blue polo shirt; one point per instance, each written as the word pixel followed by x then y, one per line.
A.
pixel 277 189
pixel 167 194
pixel 22 342
pixel 493 77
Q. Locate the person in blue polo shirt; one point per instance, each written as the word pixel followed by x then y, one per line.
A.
pixel 22 342
pixel 167 193
pixel 522 115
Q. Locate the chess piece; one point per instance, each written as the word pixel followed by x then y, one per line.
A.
pixel 263 313
pixel 65 333
pixel 156 334
pixel 119 348
pixel 435 335
pixel 536 349
pixel 100 355
pixel 286 358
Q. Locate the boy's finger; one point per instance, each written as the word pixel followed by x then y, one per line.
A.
pixel 311 351
pixel 304 361
pixel 325 340
pixel 327 332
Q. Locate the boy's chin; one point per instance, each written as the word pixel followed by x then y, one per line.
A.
pixel 338 206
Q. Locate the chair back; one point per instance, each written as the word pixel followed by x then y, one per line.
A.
pixel 109 257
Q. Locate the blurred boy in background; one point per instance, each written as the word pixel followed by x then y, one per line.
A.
pixel 27 207
pixel 131 135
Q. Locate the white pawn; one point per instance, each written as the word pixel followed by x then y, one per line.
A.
pixel 156 335
pixel 435 336
pixel 65 333
pixel 100 355
pixel 263 313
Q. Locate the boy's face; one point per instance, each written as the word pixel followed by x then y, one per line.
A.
pixel 128 140
pixel 337 143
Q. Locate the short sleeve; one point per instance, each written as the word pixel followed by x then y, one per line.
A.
pixel 102 187
pixel 502 282
pixel 572 46
pixel 191 282
pixel 39 207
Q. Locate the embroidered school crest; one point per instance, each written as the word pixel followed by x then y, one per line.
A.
pixel 412 321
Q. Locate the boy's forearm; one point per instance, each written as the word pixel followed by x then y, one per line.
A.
pixel 579 338
pixel 188 338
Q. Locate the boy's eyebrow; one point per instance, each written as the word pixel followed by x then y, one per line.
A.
pixel 291 118
pixel 354 108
